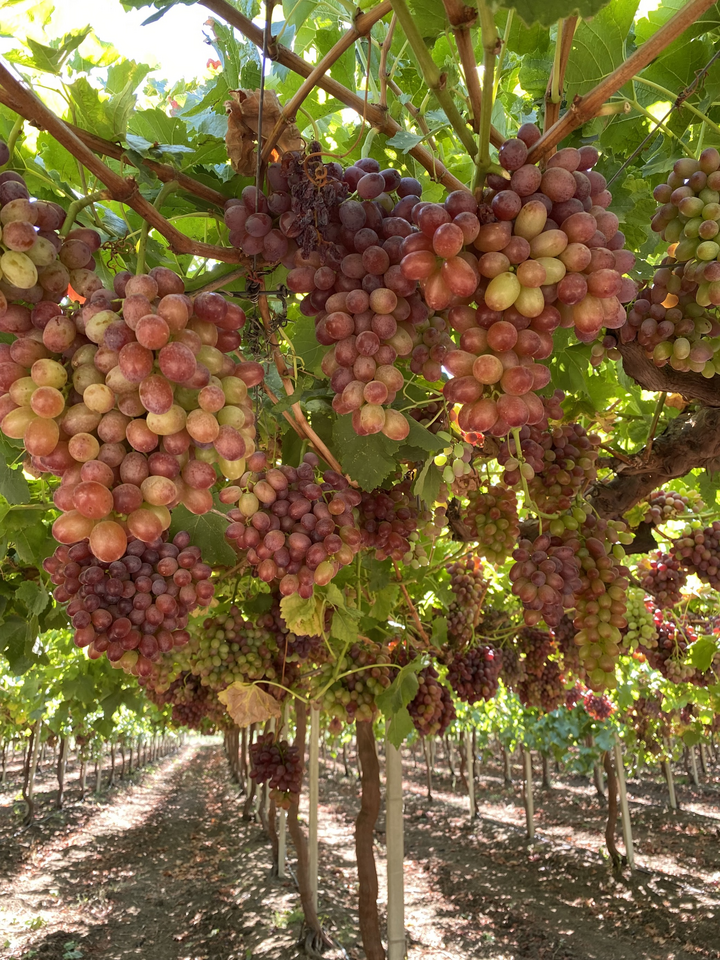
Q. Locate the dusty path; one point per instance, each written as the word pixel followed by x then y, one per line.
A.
pixel 168 870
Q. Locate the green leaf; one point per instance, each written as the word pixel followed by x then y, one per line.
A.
pixel 548 13
pixel 122 81
pixel 385 601
pixel 33 595
pixel 369 460
pixel 345 624
pixel 429 16
pixel 206 532
pixel 439 636
pixel 598 46
pixel 403 140
pixel 400 727
pixel 394 700
pixel 13 638
pixel 305 344
pixel 702 652
pixel 427 483
pixel 303 383
pixel 13 485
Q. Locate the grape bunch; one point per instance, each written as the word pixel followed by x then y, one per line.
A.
pixel 352 697
pixel 135 413
pixel 192 704
pixel 474 675
pixel 537 646
pixel 431 709
pixel 292 529
pixel 662 576
pixel 574 696
pixel 698 550
pixel 546 577
pixel 492 515
pixel 545 691
pixel 664 505
pixel 600 603
pixel 454 460
pixel 598 707
pixel 564 636
pixel 668 654
pixel 387 520
pixel 512 670
pixel 135 608
pixel 37 263
pixel 278 763
pixel 640 616
pixel 469 587
pixel 548 254
pixel 432 416
pixel 430 525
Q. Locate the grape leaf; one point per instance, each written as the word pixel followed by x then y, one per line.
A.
pixel 429 16
pixel 702 652
pixel 598 47
pixel 303 617
pixel 385 601
pixel 548 13
pixel 33 595
pixel 247 703
pixel 403 140
pixel 13 485
pixel 207 532
pixel 394 700
pixel 345 624
pixel 369 460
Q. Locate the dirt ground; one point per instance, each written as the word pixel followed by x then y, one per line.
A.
pixel 165 868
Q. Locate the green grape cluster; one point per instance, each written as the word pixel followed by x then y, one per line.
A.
pixel 367 674
pixel 492 516
pixel 641 629
pixel 454 459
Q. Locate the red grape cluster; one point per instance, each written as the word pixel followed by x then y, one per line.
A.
pixel 192 704
pixel 431 709
pixel 598 707
pixel 136 413
pixel 513 667
pixel 564 636
pixel 432 416
pixel 492 516
pixel 546 577
pixel 547 254
pixel 37 263
pixel 664 505
pixel 537 646
pixel 135 608
pixel 574 696
pixel 292 529
pixel 545 691
pixel 668 654
pixel 387 519
pixel 662 576
pixel 469 587
pixel 474 675
pixel 698 550
pixel 279 764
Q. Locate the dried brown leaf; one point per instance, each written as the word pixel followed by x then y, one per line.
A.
pixel 243 123
pixel 247 703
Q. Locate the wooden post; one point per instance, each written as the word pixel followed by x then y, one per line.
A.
pixel 98 771
pixel 471 774
pixel 282 822
pixel 62 761
pixel 703 759
pixel 313 796
pixel 29 784
pixel 694 766
pixel 624 808
pixel 667 768
pixel 395 846
pixel 529 804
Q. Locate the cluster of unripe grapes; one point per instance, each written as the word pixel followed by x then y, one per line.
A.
pixel 387 520
pixel 279 764
pixel 352 697
pixel 469 587
pixel 293 528
pixel 136 608
pixel 132 402
pixel 670 319
pixel 641 629
pixel 664 505
pixel 455 460
pixel 474 674
pixel 492 515
pixel 662 576
pixel 430 524
pixel 431 709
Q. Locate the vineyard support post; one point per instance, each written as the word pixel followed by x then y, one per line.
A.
pixel 529 802
pixel 313 796
pixel 470 774
pixel 667 769
pixel 395 848
pixel 99 771
pixel 62 760
pixel 694 766
pixel 29 784
pixel 282 822
pixel 624 807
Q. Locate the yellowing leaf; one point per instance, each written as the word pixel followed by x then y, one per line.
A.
pixel 247 703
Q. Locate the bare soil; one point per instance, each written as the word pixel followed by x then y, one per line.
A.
pixel 166 868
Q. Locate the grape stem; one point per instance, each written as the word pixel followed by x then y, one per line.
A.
pixel 672 97
pixel 501 59
pixel 462 18
pixel 653 426
pixel 529 502
pixel 411 605
pixel 556 80
pixel 382 69
pixel 165 190
pixel 12 138
pixel 435 81
pixel 77 205
pixel 491 48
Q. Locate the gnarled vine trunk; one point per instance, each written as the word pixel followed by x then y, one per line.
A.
pixel 611 812
pixel 364 842
pixel 62 755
